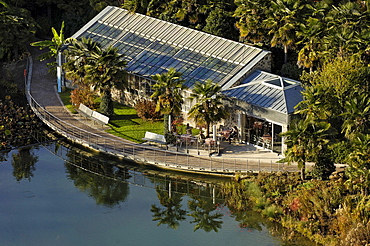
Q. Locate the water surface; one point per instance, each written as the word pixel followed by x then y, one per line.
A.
pixel 45 200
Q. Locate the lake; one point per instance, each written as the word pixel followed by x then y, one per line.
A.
pixel 63 195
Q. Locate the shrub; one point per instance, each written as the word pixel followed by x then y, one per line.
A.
pixel 82 95
pixel 146 110
pixel 272 211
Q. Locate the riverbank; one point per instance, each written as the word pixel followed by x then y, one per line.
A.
pixel 327 212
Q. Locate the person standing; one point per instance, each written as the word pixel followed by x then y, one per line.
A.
pixel 233 133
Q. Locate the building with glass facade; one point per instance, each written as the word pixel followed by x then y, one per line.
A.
pixel 152 46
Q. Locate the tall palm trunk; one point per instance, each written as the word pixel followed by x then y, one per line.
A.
pixel 303 172
pixel 106 105
pixel 285 54
pixel 165 123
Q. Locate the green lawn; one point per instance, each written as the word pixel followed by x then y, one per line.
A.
pixel 124 123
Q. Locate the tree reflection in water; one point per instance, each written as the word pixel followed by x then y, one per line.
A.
pixel 103 181
pixel 171 213
pixel 23 163
pixel 202 209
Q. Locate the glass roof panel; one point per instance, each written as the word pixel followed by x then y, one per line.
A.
pixel 170 30
pixel 172 62
pixel 176 36
pixel 275 82
pixel 217 46
pixel 159 45
pixel 157 28
pixel 121 21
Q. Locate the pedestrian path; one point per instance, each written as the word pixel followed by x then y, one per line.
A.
pixel 235 157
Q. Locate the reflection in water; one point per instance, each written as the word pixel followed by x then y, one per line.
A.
pixel 108 192
pixel 100 180
pixel 203 211
pixel 192 198
pixel 23 163
pixel 171 213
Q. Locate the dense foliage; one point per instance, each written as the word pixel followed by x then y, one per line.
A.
pixel 324 211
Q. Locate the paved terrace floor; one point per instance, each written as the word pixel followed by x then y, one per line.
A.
pixel 233 157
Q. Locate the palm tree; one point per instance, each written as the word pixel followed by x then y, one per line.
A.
pixel 208 108
pixel 306 139
pixel 357 116
pixel 346 24
pixel 167 93
pixel 104 71
pixel 78 55
pixel 310 34
pixel 250 14
pixel 203 212
pixel 311 31
pixel 282 22
pixel 54 45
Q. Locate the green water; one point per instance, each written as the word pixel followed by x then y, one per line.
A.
pixel 45 200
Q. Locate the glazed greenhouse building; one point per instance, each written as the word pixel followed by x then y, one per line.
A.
pixel 152 46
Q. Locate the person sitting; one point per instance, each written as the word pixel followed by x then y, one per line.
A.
pixel 201 138
pixel 188 129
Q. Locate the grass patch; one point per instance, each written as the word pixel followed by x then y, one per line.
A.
pixel 66 99
pixel 126 124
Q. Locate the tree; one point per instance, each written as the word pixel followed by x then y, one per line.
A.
pixel 329 90
pixel 310 35
pixel 220 23
pixel 138 6
pixel 17 29
pixel 358 171
pixel 78 56
pixel 97 182
pixel 250 14
pixel 167 93
pixel 104 71
pixel 306 140
pixel 23 163
pixel 54 45
pixel 356 118
pixel 91 66
pixel 208 107
pixel 346 33
pixel 281 22
pixel 202 211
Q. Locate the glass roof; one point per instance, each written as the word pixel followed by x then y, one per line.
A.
pixel 153 46
pixel 268 90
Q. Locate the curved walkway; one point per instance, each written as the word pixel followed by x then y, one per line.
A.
pixel 46 103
